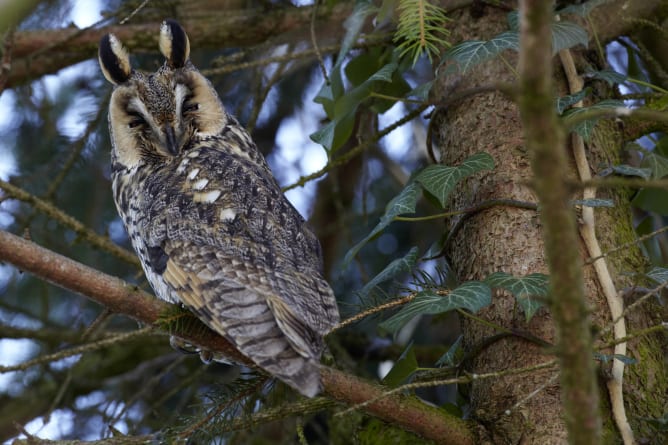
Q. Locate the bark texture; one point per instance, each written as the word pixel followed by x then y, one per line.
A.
pixel 509 239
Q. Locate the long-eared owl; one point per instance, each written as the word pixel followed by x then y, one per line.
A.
pixel 208 220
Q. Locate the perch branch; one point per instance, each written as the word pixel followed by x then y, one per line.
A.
pixel 120 297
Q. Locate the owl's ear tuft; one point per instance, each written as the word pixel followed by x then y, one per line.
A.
pixel 174 43
pixel 114 60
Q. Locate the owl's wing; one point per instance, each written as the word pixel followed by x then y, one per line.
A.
pixel 240 300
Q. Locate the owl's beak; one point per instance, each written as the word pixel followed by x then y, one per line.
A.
pixel 170 140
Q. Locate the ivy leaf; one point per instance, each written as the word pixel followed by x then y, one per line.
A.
pixel 472 295
pixel 466 55
pixel 657 164
pixel 567 35
pixel 627 170
pixel 399 265
pixel 605 358
pixel 585 128
pixel 610 76
pixel 513 19
pixel 448 359
pixel 658 274
pixel 405 366
pixel 571 99
pixel 440 180
pixel 593 202
pixel 523 289
pixel 353 26
pixel 582 9
pixel 341 110
pixel 403 203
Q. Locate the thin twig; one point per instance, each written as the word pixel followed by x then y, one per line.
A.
pixel 343 159
pixel 70 222
pixel 453 381
pixel 93 346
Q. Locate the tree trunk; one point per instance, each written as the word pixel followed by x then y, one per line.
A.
pixel 509 239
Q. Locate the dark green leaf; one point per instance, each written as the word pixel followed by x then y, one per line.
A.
pixel 658 274
pixel 571 99
pixel 469 54
pixel 513 19
pixel 402 369
pixel 610 76
pixel 403 203
pixel 448 359
pixel 582 9
pixel 651 200
pixel 656 163
pixel 440 180
pixel 567 35
pixel 627 170
pixel 396 267
pixel 605 358
pixel 593 202
pixel 585 128
pixel 353 26
pixel 471 295
pixel 523 289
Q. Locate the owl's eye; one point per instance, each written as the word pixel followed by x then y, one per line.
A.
pixel 137 120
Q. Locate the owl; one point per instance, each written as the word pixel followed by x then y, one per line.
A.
pixel 208 220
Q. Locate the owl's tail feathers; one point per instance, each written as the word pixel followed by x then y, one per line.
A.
pixel 302 374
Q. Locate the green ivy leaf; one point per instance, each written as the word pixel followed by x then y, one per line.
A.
pixel 593 202
pixel 585 128
pixel 582 9
pixel 353 26
pixel 567 35
pixel 467 55
pixel 605 358
pixel 658 274
pixel 523 289
pixel 396 267
pixel 342 110
pixel 403 203
pixel 440 180
pixel 405 366
pixel 448 359
pixel 657 164
pixel 472 295
pixel 610 76
pixel 571 99
pixel 627 170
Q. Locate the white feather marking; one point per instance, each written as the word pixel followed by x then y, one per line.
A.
pixel 193 173
pixel 182 166
pixel 227 214
pixel 200 184
pixel 207 197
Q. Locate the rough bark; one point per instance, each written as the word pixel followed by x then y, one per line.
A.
pixel 509 239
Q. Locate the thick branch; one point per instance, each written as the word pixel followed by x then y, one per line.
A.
pixel 46 51
pixel 123 298
pixel 545 141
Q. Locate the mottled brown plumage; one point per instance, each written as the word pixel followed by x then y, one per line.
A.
pixel 208 220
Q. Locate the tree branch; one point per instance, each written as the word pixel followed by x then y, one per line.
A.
pixel 545 141
pixel 41 52
pixel 118 296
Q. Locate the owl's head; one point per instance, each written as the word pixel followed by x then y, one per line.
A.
pixel 155 116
